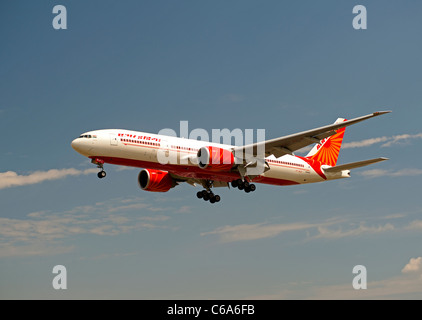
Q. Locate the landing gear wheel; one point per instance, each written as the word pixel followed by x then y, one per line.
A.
pixel 245 184
pixel 241 186
pixel 101 174
pixel 252 187
pixel 212 200
pixel 234 184
pixel 199 195
pixel 247 189
pixel 206 197
pixel 217 198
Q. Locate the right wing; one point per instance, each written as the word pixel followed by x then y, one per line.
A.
pixel 288 144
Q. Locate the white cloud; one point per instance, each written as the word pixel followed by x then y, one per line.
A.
pixel 44 229
pixel 364 143
pixel 255 231
pixel 416 224
pixel 375 173
pixel 12 179
pixel 414 265
pixel 389 141
pixel 184 209
pixel 403 138
pixel 401 286
pixel 330 229
pixel 124 168
pixel 327 233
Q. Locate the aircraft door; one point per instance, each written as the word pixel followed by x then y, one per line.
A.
pixel 113 139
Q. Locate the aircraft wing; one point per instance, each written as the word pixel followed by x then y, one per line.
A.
pixel 288 144
pixel 354 165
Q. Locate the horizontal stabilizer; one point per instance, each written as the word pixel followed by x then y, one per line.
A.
pixel 354 165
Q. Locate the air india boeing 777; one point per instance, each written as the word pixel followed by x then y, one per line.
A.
pixel 168 161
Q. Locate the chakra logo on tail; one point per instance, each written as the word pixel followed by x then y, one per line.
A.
pixel 327 150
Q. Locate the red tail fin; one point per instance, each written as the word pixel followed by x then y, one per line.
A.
pixel 327 150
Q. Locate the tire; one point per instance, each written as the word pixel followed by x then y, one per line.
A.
pixel 212 200
pixel 217 198
pixel 245 184
pixel 247 189
pixel 101 174
pixel 199 195
pixel 206 197
pixel 252 187
pixel 234 184
pixel 240 187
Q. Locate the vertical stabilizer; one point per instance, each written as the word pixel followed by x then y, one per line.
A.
pixel 327 150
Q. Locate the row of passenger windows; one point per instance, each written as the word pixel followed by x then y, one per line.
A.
pixel 287 163
pixel 149 143
pixel 184 148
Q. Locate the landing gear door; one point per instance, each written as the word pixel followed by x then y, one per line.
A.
pixel 113 139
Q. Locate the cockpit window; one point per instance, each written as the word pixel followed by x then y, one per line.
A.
pixel 87 136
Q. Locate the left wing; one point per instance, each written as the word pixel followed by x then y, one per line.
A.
pixel 354 165
pixel 288 144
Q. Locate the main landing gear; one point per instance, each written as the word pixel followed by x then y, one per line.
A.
pixel 208 195
pixel 243 185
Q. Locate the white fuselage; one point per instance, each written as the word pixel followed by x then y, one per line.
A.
pixel 140 149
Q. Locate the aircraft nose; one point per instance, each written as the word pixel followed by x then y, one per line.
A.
pixel 75 144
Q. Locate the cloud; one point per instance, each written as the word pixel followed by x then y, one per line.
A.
pixel 363 143
pixel 255 231
pixel 401 286
pixel 375 173
pixel 184 209
pixel 399 139
pixel 11 179
pixel 416 224
pixel 362 229
pixel 414 265
pixel 124 168
pixel 42 230
pixel 333 228
pixel 389 141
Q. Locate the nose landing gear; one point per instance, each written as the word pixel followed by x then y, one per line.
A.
pixel 101 174
pixel 100 165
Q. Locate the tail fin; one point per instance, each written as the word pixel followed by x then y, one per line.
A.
pixel 327 150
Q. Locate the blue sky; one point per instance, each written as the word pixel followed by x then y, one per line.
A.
pixel 282 66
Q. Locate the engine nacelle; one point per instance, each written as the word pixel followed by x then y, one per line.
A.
pixel 215 159
pixel 155 180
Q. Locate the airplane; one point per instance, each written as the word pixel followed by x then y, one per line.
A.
pixel 219 165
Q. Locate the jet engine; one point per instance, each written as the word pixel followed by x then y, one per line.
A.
pixel 155 180
pixel 215 159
